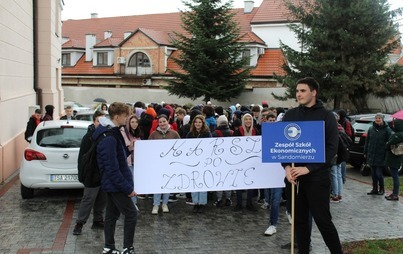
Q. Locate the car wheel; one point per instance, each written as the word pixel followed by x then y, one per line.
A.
pixel 365 170
pixel 26 193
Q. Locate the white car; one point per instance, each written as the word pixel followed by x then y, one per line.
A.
pixel 50 160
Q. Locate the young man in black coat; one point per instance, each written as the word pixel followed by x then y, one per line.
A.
pixel 93 197
pixel 313 179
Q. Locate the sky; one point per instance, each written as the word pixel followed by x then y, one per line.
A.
pixel 82 9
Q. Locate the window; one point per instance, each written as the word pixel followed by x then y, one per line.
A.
pixel 102 58
pixel 60 137
pixel 139 60
pixel 66 59
pixel 246 56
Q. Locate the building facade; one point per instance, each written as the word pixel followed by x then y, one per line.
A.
pixel 30 71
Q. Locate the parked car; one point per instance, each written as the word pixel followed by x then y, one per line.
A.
pixel 361 126
pixel 86 115
pixel 50 160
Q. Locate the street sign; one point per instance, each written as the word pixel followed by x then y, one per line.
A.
pixel 298 142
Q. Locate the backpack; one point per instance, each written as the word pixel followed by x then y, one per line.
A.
pixel 88 171
pixel 345 143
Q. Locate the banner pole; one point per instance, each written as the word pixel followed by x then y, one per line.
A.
pixel 292 214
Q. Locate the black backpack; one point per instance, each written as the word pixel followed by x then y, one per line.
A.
pixel 89 174
pixel 345 143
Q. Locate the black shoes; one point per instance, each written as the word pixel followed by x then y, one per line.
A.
pixel 129 250
pixel 373 192
pixel 78 228
pixel 237 208
pixel 97 224
pixel 392 197
pixel 219 203
pixel 381 191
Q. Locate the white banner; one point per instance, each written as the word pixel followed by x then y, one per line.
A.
pixel 208 164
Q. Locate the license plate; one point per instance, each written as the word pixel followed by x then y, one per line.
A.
pixel 64 178
pixel 357 139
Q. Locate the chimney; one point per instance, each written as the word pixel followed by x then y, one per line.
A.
pixel 94 15
pixel 248 6
pixel 126 34
pixel 90 41
pixel 107 34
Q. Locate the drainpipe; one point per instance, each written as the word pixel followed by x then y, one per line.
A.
pixel 37 89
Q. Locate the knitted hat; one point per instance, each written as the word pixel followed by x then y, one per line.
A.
pixel 222 120
pixel 150 111
pixel 379 115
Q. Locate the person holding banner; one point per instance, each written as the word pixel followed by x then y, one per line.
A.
pixel 199 129
pixel 163 131
pixel 222 130
pixel 247 129
pixel 312 180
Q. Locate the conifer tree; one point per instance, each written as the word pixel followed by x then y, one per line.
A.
pixel 209 53
pixel 345 46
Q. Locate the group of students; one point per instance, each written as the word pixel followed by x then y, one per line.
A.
pixel 126 125
pixel 157 122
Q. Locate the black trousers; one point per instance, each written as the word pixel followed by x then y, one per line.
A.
pixel 118 203
pixel 313 196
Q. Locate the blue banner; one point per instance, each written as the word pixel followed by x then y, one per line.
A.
pixel 298 142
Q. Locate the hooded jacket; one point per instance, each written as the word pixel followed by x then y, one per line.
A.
pixel 393 160
pixel 112 154
pixel 317 171
pixel 375 144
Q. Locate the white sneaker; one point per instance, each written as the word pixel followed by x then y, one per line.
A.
pixel 270 230
pixel 155 209
pixel 165 208
pixel 265 205
pixel 288 217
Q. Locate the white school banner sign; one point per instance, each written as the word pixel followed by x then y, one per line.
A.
pixel 207 164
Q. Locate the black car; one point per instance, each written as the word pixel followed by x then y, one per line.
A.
pixel 361 125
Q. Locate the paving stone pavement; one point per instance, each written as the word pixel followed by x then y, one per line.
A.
pixel 45 224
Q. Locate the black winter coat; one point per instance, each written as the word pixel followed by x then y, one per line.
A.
pixel 317 171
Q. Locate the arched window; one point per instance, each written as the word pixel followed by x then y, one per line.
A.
pixel 139 60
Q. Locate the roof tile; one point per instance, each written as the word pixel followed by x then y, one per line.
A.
pixel 86 68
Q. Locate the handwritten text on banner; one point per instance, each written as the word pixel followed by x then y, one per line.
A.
pixel 208 164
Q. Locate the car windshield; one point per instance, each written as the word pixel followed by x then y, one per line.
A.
pixel 60 137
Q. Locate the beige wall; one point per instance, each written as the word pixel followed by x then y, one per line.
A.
pixel 17 72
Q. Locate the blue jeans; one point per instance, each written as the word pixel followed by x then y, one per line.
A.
pixel 157 199
pixel 336 180
pixel 394 172
pixel 273 195
pixel 377 177
pixel 343 171
pixel 199 198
